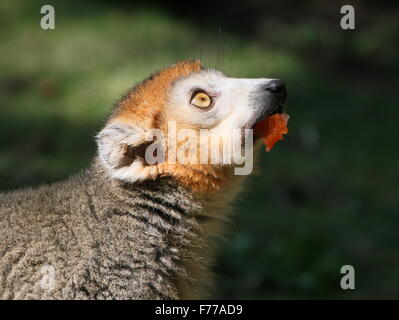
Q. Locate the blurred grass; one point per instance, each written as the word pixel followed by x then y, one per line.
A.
pixel 325 197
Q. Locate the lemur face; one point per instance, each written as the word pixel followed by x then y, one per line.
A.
pixel 208 99
pixel 194 99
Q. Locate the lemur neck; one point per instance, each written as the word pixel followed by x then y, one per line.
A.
pixel 176 223
pixel 201 179
pixel 180 239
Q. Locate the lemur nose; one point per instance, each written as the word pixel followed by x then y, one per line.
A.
pixel 276 87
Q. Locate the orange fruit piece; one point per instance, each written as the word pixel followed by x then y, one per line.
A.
pixel 272 129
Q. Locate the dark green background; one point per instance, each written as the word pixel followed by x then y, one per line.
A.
pixel 328 195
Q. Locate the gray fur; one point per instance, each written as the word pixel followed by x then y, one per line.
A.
pixel 104 239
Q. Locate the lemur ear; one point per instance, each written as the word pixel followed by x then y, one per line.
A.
pixel 121 150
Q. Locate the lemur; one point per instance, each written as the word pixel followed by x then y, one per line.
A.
pixel 125 228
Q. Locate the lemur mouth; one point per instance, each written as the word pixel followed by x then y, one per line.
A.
pixel 277 109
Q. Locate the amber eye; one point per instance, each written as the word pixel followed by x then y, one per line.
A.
pixel 201 100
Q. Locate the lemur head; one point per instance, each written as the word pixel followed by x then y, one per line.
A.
pixel 189 105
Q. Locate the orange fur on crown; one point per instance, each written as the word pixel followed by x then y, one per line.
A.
pixel 144 107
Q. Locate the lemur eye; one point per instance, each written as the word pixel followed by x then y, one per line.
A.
pixel 201 100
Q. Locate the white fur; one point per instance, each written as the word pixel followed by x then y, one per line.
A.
pixel 233 108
